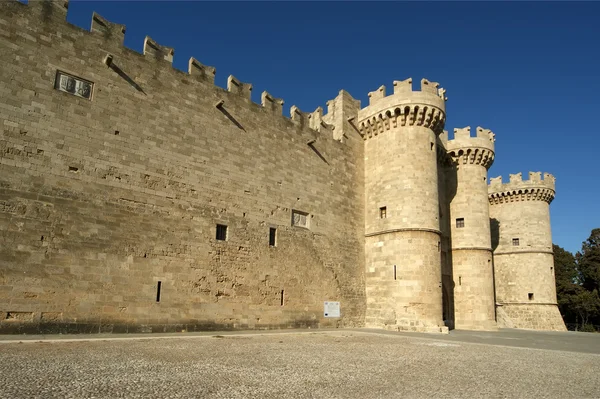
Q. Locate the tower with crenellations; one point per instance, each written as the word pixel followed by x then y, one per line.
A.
pixel 470 242
pixel 523 257
pixel 402 227
pixel 136 197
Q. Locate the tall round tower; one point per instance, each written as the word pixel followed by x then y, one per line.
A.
pixel 471 248
pixel 523 258
pixel 402 244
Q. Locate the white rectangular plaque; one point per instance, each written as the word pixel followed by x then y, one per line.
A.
pixel 331 309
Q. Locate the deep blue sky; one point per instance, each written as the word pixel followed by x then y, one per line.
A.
pixel 530 71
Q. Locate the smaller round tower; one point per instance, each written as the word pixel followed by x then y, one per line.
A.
pixel 523 257
pixel 471 250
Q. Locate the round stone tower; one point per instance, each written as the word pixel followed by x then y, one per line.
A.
pixel 471 248
pixel 523 258
pixel 402 244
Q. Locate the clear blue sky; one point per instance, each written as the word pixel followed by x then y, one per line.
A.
pixel 530 71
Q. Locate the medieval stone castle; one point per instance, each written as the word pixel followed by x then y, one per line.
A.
pixel 137 197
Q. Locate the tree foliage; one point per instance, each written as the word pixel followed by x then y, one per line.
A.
pixel 578 282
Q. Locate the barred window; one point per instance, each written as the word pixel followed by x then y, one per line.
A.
pixel 300 219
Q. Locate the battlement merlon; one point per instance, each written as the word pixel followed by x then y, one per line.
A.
pixel 533 188
pixel 152 48
pixel 427 104
pixel 463 139
pixel 271 103
pixel 201 71
pixel 109 30
pixel 236 86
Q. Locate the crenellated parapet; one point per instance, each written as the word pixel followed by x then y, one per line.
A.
pixel 112 36
pixel 464 149
pixel 405 107
pixel 517 189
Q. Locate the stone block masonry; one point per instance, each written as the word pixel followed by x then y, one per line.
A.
pixel 135 197
pixel 104 199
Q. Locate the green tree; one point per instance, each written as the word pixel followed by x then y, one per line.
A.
pixel 588 261
pixel 587 306
pixel 568 288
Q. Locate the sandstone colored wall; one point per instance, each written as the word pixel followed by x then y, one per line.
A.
pixel 524 273
pixel 102 199
pixel 402 247
pixel 472 269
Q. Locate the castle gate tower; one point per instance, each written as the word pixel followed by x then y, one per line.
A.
pixel 471 248
pixel 523 258
pixel 402 244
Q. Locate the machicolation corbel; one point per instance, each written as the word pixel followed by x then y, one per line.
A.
pixel 110 31
pixel 159 52
pixel 238 87
pixel 271 103
pixel 201 71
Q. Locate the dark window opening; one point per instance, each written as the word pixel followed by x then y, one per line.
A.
pixel 383 212
pixel 459 280
pixel 282 296
pixel 394 272
pixel 221 232
pixel 272 237
pixel 158 287
pixel 515 242
pixel 460 222
pixel 530 295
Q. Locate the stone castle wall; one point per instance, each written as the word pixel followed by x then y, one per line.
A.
pixel 102 200
pixel 144 198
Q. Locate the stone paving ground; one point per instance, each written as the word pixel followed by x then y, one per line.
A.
pixel 319 364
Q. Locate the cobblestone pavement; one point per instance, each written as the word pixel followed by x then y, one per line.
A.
pixel 339 364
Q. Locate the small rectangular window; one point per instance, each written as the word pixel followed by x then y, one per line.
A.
pixel 221 232
pixel 73 85
pixel 300 219
pixel 515 242
pixel 530 295
pixel 272 237
pixel 382 212
pixel 460 222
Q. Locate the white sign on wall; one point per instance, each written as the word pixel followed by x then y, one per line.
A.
pixel 331 309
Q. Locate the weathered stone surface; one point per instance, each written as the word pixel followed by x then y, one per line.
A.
pixel 116 170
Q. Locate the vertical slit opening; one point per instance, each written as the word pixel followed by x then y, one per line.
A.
pixel 282 296
pixel 158 287
pixel 459 280
pixel 394 272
